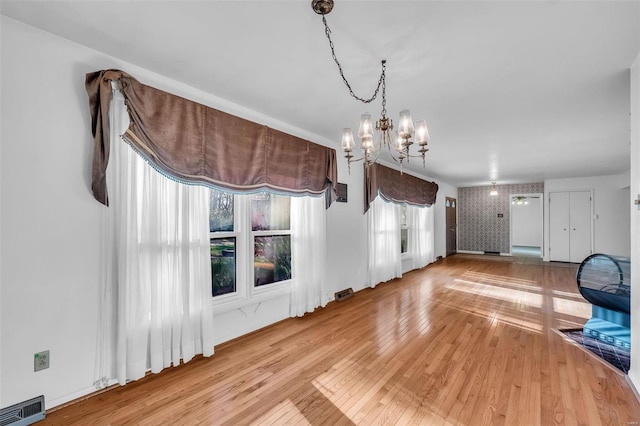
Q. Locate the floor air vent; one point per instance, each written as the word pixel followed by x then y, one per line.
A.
pixel 344 294
pixel 23 413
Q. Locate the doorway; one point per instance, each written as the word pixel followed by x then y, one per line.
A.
pixel 527 217
pixel 452 226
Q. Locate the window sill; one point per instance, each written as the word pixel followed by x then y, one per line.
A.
pixel 258 295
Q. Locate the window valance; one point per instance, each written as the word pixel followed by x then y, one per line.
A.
pixel 396 187
pixel 197 144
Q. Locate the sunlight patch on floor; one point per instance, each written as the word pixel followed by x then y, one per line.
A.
pixel 329 386
pixel 568 295
pixel 333 381
pixel 572 308
pixel 498 302
pixel 284 409
pixel 505 294
pixel 528 285
pixel 494 316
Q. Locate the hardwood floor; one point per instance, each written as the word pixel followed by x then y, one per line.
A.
pixel 464 342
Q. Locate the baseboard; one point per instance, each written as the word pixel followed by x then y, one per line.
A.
pixel 58 403
pixel 633 387
pixel 469 252
pixel 482 252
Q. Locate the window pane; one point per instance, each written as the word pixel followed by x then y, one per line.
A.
pixel 404 240
pixel 272 259
pixel 270 212
pixel 221 211
pixel 403 215
pixel 223 266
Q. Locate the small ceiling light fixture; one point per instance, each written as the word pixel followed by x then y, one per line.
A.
pixel 494 190
pixel 519 200
pixel 399 141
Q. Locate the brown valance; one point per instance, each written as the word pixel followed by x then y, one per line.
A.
pixel 194 143
pixel 397 187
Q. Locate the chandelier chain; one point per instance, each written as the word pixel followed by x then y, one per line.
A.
pixel 397 142
pixel 384 91
pixel 381 81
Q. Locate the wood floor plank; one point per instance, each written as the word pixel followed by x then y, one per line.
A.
pixel 465 341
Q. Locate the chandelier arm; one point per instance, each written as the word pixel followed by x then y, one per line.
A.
pixel 356 160
pixel 381 80
pixel 377 153
pixel 415 155
pixel 393 157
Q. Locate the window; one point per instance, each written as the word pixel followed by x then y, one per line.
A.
pixel 272 259
pixel 245 227
pixel 270 223
pixel 223 245
pixel 223 265
pixel 404 230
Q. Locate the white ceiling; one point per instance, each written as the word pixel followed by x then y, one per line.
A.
pixel 512 91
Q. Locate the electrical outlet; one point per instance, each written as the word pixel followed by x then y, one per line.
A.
pixel 41 361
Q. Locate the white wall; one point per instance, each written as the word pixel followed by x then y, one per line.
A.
pixel 634 373
pixel 610 208
pixel 347 234
pixel 50 223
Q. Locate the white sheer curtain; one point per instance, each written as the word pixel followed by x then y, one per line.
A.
pixel 420 221
pixel 383 221
pixel 158 264
pixel 308 254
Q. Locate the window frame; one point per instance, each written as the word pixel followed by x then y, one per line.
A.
pixel 404 225
pixel 235 255
pixel 267 288
pixel 246 292
pixel 241 246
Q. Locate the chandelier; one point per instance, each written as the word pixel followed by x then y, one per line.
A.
pixel 398 142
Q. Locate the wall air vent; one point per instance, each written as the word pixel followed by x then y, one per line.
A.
pixel 344 294
pixel 23 413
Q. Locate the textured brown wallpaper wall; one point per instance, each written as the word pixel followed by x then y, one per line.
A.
pixel 479 227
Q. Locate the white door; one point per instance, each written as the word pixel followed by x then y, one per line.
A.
pixel 559 249
pixel 569 226
pixel 580 225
